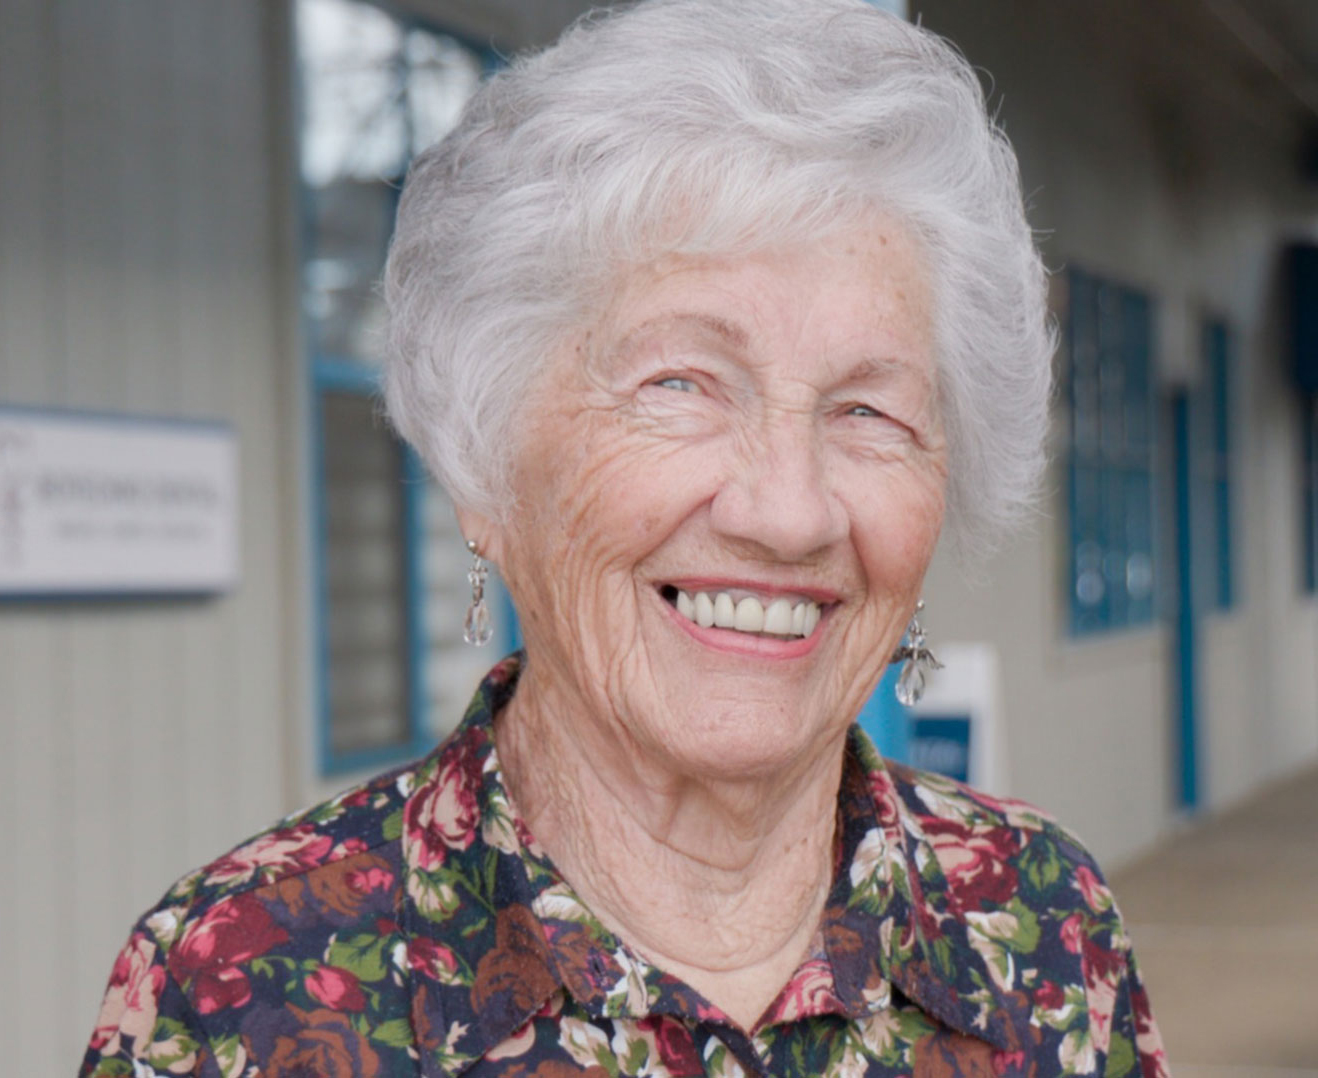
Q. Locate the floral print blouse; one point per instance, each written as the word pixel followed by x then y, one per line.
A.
pixel 412 926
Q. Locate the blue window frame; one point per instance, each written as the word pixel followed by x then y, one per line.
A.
pixel 369 504
pixel 1212 405
pixel 374 89
pixel 1110 458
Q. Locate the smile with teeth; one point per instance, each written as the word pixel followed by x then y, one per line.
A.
pixel 747 613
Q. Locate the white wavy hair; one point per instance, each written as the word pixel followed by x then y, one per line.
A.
pixel 713 127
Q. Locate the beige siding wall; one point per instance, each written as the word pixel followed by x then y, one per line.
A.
pixel 1151 166
pixel 140 248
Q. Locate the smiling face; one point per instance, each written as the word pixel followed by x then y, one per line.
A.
pixel 728 492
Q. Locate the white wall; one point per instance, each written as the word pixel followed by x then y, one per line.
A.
pixel 1147 165
pixel 140 255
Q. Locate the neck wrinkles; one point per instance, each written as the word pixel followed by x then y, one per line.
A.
pixel 721 878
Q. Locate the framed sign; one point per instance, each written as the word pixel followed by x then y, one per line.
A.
pixel 957 728
pixel 942 743
pixel 105 505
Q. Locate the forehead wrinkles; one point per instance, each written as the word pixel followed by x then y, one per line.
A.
pixel 760 304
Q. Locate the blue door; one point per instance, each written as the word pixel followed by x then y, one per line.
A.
pixel 1184 616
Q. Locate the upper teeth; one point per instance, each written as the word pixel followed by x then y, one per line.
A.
pixel 748 614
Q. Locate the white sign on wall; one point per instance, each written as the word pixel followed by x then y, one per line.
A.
pixel 105 505
pixel 958 720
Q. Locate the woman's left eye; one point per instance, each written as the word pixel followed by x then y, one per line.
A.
pixel 864 411
pixel 684 385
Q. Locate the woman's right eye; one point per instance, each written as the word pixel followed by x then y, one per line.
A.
pixel 684 385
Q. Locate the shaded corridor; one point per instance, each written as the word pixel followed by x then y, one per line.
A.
pixel 1224 920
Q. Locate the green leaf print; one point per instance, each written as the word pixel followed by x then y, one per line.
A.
pixel 171 1042
pixel 606 1059
pixel 637 1052
pixel 1120 1057
pixel 798 1056
pixel 113 1068
pixel 396 1033
pixel 363 956
pixel 228 1055
pixel 1025 938
pixel 1043 867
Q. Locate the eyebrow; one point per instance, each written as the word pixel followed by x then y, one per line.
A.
pixel 883 368
pixel 729 332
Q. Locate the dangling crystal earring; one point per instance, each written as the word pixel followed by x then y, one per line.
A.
pixel 476 626
pixel 917 658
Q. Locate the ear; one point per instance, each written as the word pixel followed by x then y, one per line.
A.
pixel 487 535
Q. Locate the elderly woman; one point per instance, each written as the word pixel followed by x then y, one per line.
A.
pixel 703 317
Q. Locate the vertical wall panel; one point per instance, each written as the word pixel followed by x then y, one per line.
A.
pixel 138 252
pixel 29 265
pixel 36 820
pixel 35 841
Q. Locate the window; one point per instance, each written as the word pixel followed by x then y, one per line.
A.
pixel 1211 420
pixel 390 565
pixel 1109 399
pixel 366 575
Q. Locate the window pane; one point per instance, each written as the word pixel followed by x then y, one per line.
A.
pixel 374 89
pixel 374 92
pixel 365 584
pixel 1111 456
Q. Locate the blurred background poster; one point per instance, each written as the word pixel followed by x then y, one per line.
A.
pixel 93 505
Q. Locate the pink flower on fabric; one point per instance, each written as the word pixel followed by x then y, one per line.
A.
pixel 367 880
pixel 674 1044
pixel 432 959
pixel 1102 962
pixel 976 862
pixel 1095 891
pixel 131 998
pixel 1103 969
pixel 1049 996
pixel 217 989
pixel 1073 933
pixel 1008 1062
pixel 810 992
pixel 292 849
pixel 357 798
pixel 335 988
pixel 212 948
pixel 503 672
pixel 444 814
pixel 885 797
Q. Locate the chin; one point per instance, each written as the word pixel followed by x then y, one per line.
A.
pixel 750 741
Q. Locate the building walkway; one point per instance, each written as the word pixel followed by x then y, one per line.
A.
pixel 1225 924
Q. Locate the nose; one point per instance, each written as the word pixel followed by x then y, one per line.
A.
pixel 779 496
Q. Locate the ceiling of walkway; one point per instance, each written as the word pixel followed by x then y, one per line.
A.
pixel 1279 39
pixel 1267 49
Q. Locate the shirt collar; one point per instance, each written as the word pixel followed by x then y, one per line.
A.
pixel 889 922
pixel 494 932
